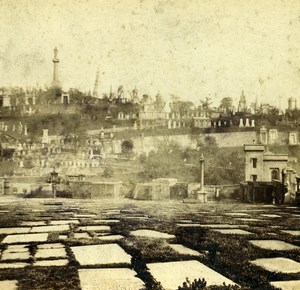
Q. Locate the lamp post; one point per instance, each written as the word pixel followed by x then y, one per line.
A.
pixel 202 193
pixel 54 182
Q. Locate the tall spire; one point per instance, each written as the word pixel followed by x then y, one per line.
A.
pixel 96 93
pixel 55 81
pixel 242 103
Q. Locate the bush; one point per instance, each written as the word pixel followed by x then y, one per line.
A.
pixel 108 172
pixel 199 284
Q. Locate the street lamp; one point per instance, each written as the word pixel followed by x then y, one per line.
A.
pixel 54 182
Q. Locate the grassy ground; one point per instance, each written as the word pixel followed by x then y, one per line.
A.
pixel 230 255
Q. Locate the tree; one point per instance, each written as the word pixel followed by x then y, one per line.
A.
pixel 163 163
pixel 127 146
pixel 226 103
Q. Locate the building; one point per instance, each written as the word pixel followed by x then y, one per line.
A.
pixel 154 190
pixel 266 175
pixel 262 165
pixel 94 190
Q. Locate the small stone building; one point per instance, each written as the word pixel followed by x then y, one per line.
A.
pixel 155 190
pixel 94 190
pixel 265 175
pixel 262 165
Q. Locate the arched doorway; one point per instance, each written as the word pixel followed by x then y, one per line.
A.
pixel 275 174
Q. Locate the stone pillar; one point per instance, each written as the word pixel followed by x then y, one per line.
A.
pixel 25 130
pixel 219 123
pixel 253 123
pixel 169 124
pixel 202 196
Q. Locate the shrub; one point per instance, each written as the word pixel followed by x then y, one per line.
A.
pixel 108 172
pixel 199 284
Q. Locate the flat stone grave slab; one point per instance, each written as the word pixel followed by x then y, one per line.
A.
pixel 279 265
pixel 104 221
pixel 296 215
pixel 273 245
pixel 151 234
pixel 236 214
pixel 64 222
pixel 186 221
pixel 110 238
pixel 291 232
pixel 43 229
pixel 20 230
pixel 51 253
pixel 232 231
pixel 33 223
pixel 189 225
pixel 51 263
pixel 249 220
pixel 9 284
pixel 287 285
pixel 51 246
pixel 109 279
pixel 271 215
pixel 101 255
pixel 95 228
pixel 13 265
pixel 81 236
pixel 213 226
pixel 113 211
pixel 137 217
pixel 17 248
pixel 180 249
pixel 173 274
pixel 4 211
pixel 63 237
pixel 84 215
pixel 250 210
pixel 15 256
pixel 26 238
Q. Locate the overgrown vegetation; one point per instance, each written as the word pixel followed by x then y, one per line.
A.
pixel 222 165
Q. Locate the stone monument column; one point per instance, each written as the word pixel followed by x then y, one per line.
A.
pixel 202 195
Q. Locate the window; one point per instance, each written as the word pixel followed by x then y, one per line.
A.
pixel 254 177
pixel 254 162
pixel 275 174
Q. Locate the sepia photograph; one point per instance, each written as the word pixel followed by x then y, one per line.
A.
pixel 150 145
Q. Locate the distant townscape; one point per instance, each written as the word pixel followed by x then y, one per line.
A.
pixel 120 140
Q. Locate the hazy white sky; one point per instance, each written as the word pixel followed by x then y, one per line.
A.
pixel 190 48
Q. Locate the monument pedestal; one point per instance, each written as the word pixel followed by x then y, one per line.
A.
pixel 202 196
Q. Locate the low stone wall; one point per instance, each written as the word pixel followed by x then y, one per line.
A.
pixel 225 190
